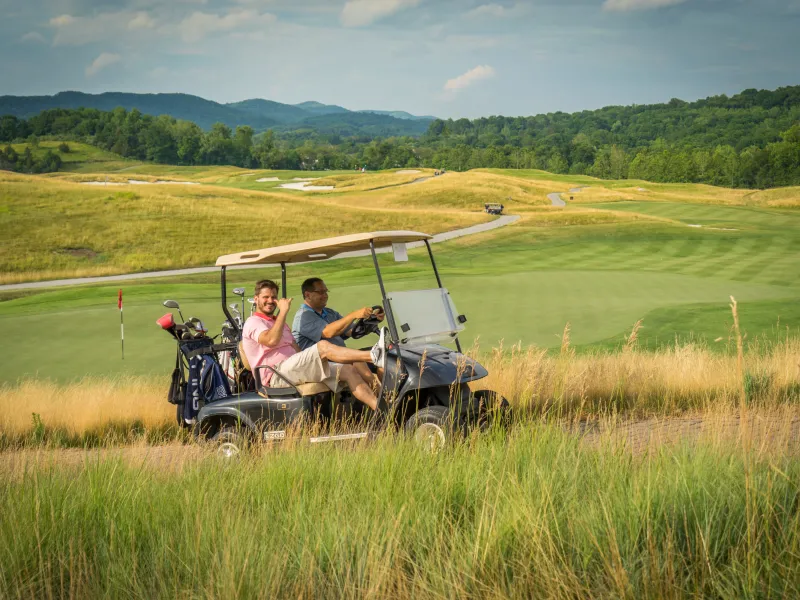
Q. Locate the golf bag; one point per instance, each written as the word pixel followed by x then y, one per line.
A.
pixel 205 381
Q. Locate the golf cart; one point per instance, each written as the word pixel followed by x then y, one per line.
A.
pixel 424 387
pixel 493 208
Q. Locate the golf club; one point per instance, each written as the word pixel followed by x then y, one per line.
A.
pixel 173 304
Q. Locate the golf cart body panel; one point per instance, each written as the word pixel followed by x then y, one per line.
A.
pixel 431 366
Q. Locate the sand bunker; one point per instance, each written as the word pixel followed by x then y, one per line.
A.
pixel 304 186
pixel 304 178
pixel 714 228
pixel 139 182
pixel 265 179
pixel 408 172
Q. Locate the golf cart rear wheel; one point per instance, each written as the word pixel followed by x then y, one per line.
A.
pixel 230 441
pixel 430 427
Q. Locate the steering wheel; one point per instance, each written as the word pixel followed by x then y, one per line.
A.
pixel 361 327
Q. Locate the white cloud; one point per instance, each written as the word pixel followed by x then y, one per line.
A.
pixel 141 20
pixel 62 21
pixel 472 76
pixel 78 31
pixel 33 36
pixel 199 24
pixel 363 12
pixel 628 5
pixel 488 10
pixel 101 62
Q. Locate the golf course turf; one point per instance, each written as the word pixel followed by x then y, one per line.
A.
pixel 675 269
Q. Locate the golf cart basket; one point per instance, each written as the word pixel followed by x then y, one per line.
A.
pixel 493 208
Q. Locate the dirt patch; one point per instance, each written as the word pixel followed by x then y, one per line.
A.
pixel 79 252
pixel 408 172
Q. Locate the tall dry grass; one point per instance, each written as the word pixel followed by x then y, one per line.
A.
pixel 87 412
pixel 631 383
pixel 639 383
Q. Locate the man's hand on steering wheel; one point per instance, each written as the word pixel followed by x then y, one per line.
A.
pixel 368 323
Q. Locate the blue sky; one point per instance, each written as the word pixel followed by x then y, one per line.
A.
pixel 448 58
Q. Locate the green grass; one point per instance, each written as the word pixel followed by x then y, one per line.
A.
pixel 539 515
pixel 81 157
pixel 521 283
pixel 517 285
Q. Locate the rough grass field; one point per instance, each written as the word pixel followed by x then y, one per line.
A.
pixel 537 515
pixel 651 457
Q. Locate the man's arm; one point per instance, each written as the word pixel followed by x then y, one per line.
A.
pixel 272 337
pixel 340 326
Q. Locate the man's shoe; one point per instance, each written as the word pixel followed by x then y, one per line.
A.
pixel 378 351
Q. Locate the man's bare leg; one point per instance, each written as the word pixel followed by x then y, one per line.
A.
pixel 360 388
pixel 372 380
pixel 341 355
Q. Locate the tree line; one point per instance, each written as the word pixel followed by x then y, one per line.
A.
pixel 748 140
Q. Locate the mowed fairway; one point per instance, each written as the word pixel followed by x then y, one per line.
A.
pixel 598 266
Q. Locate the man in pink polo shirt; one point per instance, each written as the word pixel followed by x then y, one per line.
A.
pixel 267 340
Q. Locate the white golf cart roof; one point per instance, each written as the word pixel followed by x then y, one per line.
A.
pixel 321 249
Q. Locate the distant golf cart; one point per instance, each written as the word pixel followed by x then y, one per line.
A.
pixel 493 208
pixel 424 387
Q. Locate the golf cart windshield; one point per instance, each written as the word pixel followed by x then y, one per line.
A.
pixel 425 316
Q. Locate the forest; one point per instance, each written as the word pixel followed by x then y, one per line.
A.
pixel 749 140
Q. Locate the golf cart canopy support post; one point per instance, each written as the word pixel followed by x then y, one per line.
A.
pixel 283 279
pixel 224 295
pixel 387 307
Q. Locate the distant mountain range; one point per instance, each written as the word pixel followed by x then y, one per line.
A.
pixel 258 113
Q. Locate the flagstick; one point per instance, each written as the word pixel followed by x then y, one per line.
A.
pixel 121 323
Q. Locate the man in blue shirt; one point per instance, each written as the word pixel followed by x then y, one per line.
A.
pixel 314 321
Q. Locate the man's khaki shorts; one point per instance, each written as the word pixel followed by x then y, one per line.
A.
pixel 307 367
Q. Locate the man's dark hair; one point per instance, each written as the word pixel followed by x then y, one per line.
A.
pixel 266 283
pixel 308 285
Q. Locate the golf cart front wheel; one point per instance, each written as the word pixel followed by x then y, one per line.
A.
pixel 430 427
pixel 230 442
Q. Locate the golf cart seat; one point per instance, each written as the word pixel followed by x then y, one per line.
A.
pixel 305 389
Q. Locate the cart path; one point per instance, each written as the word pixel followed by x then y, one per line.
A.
pixel 439 237
pixel 555 198
pixel 763 434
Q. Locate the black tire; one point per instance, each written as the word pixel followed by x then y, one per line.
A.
pixel 231 441
pixel 487 410
pixel 431 427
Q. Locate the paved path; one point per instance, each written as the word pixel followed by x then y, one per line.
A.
pixel 555 198
pixel 439 237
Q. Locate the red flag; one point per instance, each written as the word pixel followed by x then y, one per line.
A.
pixel 119 300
